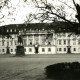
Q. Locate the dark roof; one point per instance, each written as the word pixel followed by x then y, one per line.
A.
pixel 57 26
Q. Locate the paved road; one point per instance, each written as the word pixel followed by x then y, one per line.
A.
pixel 30 67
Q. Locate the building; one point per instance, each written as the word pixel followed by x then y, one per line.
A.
pixel 40 38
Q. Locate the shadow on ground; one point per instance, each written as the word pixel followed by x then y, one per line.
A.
pixel 64 71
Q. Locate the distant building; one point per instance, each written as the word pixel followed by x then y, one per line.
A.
pixel 40 38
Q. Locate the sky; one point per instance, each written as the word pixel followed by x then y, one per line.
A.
pixel 17 10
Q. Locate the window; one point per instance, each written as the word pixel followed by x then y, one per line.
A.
pixel 15 50
pixel 2 43
pixel 11 50
pixel 64 34
pixel 15 30
pixel 49 43
pixel 11 42
pixel 60 42
pixel 7 30
pixel 68 41
pixel 74 41
pixel 3 50
pixel 30 43
pixel 60 49
pixel 74 49
pixel 30 49
pixel 64 41
pixel 64 49
pixel 79 41
pixel 43 50
pixel 11 30
pixel 57 49
pixel 25 49
pixel 15 42
pixel 49 49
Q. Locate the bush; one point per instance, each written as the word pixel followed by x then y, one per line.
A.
pixel 64 71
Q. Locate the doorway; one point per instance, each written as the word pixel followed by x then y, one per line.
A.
pixel 69 50
pixel 36 50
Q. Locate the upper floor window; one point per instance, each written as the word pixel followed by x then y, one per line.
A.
pixel 68 41
pixel 11 42
pixel 49 43
pixel 60 42
pixel 30 43
pixel 74 41
pixel 15 42
pixel 64 41
pixel 11 50
pixel 3 43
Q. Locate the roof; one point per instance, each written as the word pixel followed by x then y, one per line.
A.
pixel 57 26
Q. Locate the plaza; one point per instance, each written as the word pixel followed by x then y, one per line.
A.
pixel 31 67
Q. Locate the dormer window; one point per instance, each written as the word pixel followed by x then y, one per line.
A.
pixel 7 30
pixel 15 30
pixel 11 30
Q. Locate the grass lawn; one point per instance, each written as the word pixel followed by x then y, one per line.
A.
pixel 30 67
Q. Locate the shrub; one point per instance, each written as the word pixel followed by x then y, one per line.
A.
pixel 64 71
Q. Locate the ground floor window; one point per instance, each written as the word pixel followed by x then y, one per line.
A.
pixel 57 49
pixel 43 49
pixel 64 49
pixel 11 50
pixel 25 50
pixel 74 49
pixel 15 50
pixel 60 49
pixel 49 49
pixel 3 50
pixel 30 49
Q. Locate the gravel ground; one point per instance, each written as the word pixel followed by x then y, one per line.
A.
pixel 30 67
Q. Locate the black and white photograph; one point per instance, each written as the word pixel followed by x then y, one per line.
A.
pixel 39 39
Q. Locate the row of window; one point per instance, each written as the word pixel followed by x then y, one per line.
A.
pixel 60 42
pixel 65 49
pixel 43 50
pixel 8 43
pixel 4 50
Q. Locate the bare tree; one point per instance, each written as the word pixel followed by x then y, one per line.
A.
pixel 51 12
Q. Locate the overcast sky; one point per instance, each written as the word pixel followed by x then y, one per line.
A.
pixel 18 10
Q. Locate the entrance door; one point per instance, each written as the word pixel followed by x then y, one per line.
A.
pixel 36 50
pixel 69 50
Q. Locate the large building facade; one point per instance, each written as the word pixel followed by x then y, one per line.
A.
pixel 39 39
